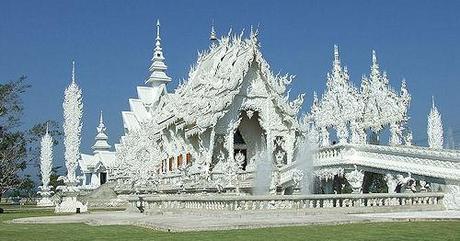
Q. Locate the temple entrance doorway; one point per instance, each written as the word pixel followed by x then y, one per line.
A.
pixel 249 138
pixel 103 177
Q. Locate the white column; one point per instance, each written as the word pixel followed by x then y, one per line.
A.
pixel 324 137
pixel 95 179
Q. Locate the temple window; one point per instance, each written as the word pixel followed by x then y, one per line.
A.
pixel 171 163
pixel 188 158
pixel 180 161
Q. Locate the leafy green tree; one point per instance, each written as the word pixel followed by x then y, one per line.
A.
pixel 18 145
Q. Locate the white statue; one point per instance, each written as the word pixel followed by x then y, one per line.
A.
pixel 355 178
pixel 392 183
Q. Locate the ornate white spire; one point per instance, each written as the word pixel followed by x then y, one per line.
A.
pixel 73 111
pixel 434 129
pixel 213 35
pixel 375 65
pixel 101 138
pixel 158 67
pixel 46 160
pixel 73 71
pixel 336 56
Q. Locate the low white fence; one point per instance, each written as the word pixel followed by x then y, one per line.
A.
pixel 331 201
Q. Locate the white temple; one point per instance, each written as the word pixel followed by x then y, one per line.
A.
pixel 232 122
pixel 94 167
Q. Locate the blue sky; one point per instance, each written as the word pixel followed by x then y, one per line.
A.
pixel 112 42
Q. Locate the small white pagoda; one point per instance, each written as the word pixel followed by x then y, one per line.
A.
pixel 95 168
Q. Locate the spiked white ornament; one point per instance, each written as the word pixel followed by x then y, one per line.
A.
pixel 73 111
pixel 434 129
pixel 46 165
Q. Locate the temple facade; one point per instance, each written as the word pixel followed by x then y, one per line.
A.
pixel 231 127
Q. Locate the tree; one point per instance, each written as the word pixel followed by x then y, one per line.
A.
pixel 54 182
pixel 13 143
pixel 18 145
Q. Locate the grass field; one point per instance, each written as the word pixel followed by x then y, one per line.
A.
pixel 445 230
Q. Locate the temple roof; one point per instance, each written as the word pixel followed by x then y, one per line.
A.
pixel 89 162
pixel 217 78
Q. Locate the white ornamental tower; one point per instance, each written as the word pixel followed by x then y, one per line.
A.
pixel 46 165
pixel 73 111
pixel 434 129
pixel 101 143
pixel 158 77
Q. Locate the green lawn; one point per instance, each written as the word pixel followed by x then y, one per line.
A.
pixel 370 231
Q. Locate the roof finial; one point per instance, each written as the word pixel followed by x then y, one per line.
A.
pixel 374 57
pixel 336 57
pixel 101 127
pixel 101 143
pixel 73 71
pixel 158 30
pixel 101 119
pixel 158 67
pixel 213 36
pixel 47 128
pixel 432 101
pixel 336 53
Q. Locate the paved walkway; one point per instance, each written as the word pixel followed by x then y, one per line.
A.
pixel 187 221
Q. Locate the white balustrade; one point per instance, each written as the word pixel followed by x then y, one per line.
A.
pixel 331 201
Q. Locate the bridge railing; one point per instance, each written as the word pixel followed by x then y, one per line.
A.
pixel 341 201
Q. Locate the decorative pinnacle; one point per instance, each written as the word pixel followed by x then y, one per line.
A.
pixel 73 71
pixel 158 67
pixel 101 120
pixel 47 128
pixel 432 101
pixel 213 36
pixel 158 30
pixel 101 127
pixel 374 57
pixel 336 54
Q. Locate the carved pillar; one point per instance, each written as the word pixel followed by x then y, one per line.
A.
pixel 289 145
pixel 342 133
pixel 84 179
pixel 229 147
pixel 394 134
pixel 94 180
pixel 324 137
pixel 392 182
pixel 270 144
pixel 355 178
pixel 211 147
